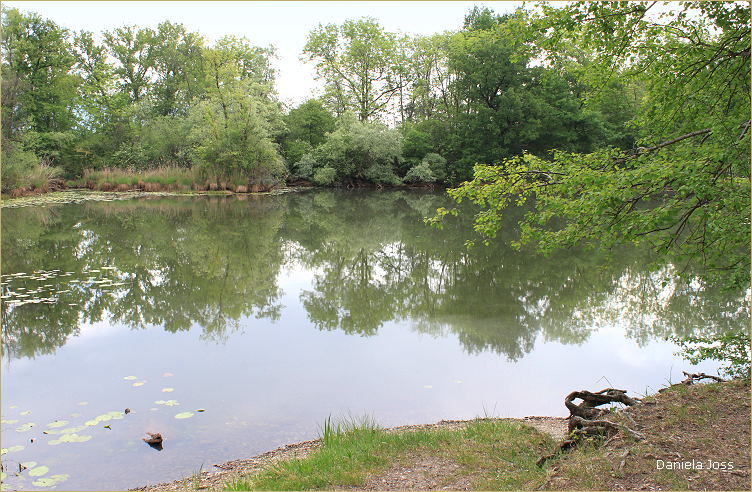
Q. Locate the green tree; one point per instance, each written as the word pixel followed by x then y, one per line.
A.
pixel 234 133
pixel 685 190
pixel 360 63
pixel 307 126
pixel 37 89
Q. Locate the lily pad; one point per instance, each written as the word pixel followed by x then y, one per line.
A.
pixel 44 482
pixel 54 442
pixel 38 471
pixel 167 390
pixel 13 449
pixel 141 383
pixel 25 413
pixel 3 475
pixel 103 418
pixel 62 477
pixel 59 423
pixel 25 427
pixel 130 377
pixel 84 403
pixel 12 421
pixel 115 414
pixel 3 451
pixel 184 415
pixel 92 423
pixel 29 464
pixel 160 402
pixel 170 403
pixel 81 439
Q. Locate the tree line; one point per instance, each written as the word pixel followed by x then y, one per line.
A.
pixel 396 108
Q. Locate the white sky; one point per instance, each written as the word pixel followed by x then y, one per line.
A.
pixel 284 24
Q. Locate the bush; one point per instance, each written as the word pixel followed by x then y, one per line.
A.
pixel 437 164
pixel 16 164
pixel 305 167
pixel 420 173
pixel 324 176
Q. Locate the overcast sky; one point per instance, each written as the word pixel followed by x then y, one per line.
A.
pixel 284 24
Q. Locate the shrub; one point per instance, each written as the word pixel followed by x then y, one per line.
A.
pixel 324 176
pixel 421 173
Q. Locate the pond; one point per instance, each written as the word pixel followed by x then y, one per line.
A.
pixel 234 325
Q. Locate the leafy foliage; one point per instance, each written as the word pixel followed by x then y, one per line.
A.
pixel 686 189
pixel 731 348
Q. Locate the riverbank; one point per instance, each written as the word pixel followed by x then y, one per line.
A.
pixel 696 438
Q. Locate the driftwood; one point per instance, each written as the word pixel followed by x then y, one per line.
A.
pixel 583 421
pixel 587 409
pixel 155 441
pixel 692 377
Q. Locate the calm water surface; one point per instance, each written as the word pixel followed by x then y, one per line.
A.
pixel 272 313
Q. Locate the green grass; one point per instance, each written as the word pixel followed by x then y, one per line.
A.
pixel 487 449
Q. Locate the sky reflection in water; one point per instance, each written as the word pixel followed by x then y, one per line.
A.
pixel 276 312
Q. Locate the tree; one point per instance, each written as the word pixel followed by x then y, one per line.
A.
pixel 685 190
pixel 307 126
pixel 360 63
pixel 234 133
pixel 38 91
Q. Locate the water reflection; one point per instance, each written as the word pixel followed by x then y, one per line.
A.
pixel 214 261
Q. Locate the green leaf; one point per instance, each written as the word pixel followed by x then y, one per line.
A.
pixel 38 471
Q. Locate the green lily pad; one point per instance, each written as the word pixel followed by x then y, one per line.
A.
pixel 62 477
pixel 170 403
pixel 54 442
pixel 160 402
pixel 68 437
pixel 25 413
pixel 81 439
pixel 25 427
pixel 92 423
pixel 83 403
pixel 14 449
pixel 3 475
pixel 116 414
pixel 184 415
pixel 29 464
pixel 3 451
pixel 38 471
pixel 44 482
pixel 130 377
pixel 59 423
pixel 167 390
pixel 104 418
pixel 73 430
pixel 140 383
pixel 12 421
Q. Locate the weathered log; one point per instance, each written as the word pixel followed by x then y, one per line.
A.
pixel 587 409
pixel 692 377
